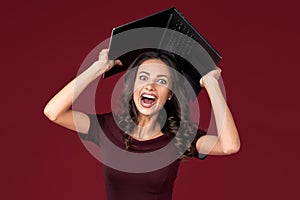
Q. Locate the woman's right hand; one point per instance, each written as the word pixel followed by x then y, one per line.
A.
pixel 58 109
pixel 103 64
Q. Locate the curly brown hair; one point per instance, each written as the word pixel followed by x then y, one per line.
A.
pixel 177 109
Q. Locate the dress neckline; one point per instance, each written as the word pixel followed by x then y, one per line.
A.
pixel 151 144
pixel 161 135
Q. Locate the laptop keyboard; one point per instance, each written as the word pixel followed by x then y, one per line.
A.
pixel 183 45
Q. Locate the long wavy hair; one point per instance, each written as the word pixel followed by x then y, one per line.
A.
pixel 177 109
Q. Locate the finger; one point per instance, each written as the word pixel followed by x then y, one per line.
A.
pixel 201 82
pixel 111 63
pixel 219 70
pixel 103 51
pixel 118 62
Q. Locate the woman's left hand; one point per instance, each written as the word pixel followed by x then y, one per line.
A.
pixel 214 74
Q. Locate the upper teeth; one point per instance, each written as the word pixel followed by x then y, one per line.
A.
pixel 148 96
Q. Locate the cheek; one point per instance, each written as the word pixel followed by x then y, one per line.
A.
pixel 164 94
pixel 138 84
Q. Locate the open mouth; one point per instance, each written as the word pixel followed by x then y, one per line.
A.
pixel 148 100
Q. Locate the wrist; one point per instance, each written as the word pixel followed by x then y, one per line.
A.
pixel 96 71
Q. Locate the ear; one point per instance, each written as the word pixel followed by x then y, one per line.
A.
pixel 170 96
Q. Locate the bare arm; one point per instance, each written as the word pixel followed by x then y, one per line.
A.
pixel 58 109
pixel 227 141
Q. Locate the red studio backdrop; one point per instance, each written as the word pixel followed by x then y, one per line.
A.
pixel 43 44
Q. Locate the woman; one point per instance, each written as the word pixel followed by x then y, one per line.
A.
pixel 150 119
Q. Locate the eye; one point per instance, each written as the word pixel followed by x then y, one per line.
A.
pixel 162 81
pixel 143 77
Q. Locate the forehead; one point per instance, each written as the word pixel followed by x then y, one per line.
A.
pixel 154 67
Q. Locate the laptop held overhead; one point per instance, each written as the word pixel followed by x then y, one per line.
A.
pixel 167 30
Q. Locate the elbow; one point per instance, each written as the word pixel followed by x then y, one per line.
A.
pixel 50 114
pixel 232 149
pixel 232 144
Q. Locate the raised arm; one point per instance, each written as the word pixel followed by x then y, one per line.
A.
pixel 58 109
pixel 227 141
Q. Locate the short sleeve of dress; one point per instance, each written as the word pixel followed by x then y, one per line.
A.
pixel 97 121
pixel 199 134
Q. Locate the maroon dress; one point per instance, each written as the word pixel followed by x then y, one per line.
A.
pixel 124 185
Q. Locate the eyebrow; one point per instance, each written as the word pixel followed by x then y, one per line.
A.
pixel 145 73
pixel 157 75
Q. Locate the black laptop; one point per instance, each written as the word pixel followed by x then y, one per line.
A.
pixel 128 41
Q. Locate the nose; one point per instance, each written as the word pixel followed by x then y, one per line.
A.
pixel 150 86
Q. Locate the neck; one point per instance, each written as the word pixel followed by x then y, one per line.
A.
pixel 147 128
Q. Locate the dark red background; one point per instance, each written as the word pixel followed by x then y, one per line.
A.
pixel 44 42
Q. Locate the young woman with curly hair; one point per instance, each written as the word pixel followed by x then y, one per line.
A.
pixel 154 113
